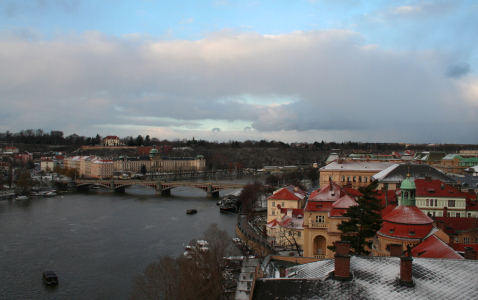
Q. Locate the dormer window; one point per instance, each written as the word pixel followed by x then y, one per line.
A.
pixel 411 231
pixel 391 230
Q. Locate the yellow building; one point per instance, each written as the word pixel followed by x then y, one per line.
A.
pixel 351 173
pixel 322 214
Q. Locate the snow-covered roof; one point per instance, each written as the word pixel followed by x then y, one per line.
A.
pixel 358 165
pixel 374 278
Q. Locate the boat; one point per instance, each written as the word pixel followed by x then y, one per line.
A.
pixel 191 211
pixel 49 277
pixel 50 194
pixel 21 198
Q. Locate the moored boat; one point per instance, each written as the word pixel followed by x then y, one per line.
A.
pixel 49 277
pixel 191 211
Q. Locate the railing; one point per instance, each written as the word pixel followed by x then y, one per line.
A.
pixel 319 225
pixel 322 256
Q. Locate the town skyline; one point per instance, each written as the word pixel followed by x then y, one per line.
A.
pixel 346 70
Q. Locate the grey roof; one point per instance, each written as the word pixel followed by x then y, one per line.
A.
pixel 398 172
pixel 468 181
pixel 358 165
pixel 375 278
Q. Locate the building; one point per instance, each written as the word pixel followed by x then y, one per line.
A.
pixel 434 197
pixel 10 150
pixel 431 158
pixel 47 165
pixel 351 173
pixel 288 197
pixel 322 214
pixel 157 163
pixel 461 230
pixel 102 168
pixel 391 177
pixel 407 227
pixel 112 140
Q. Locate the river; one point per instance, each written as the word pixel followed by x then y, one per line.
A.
pixel 97 241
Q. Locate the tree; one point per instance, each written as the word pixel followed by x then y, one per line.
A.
pixel 364 220
pixel 24 182
pixel 249 195
pixel 313 175
pixel 143 170
pixel 199 277
pixel 147 140
pixel 272 180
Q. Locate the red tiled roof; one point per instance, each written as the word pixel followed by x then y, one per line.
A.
pixel 353 192
pixel 387 210
pixel 457 223
pixel 436 188
pixel 461 246
pixel 318 206
pixel 344 202
pixel 330 192
pixel 286 194
pixel 405 230
pixel 408 215
pixel 295 211
pixel 433 247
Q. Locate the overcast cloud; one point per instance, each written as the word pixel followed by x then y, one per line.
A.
pixel 307 85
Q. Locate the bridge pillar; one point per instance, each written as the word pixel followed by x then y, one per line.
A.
pixel 209 190
pixel 112 185
pixel 159 188
pixel 116 190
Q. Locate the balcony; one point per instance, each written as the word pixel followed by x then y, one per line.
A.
pixel 321 256
pixel 319 225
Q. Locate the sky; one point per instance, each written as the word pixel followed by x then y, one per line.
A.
pixel 292 71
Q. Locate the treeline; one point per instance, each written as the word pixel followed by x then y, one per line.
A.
pixel 56 137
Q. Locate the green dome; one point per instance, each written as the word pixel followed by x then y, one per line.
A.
pixel 154 152
pixel 408 184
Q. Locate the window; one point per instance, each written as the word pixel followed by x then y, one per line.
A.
pixel 457 215
pixel 451 203
pixel 428 202
pixel 360 178
pixel 469 215
pixel 355 178
pixel 436 202
pixel 273 212
pixel 348 178
pixel 365 179
pixel 448 214
pixel 343 178
pixel 411 231
pixel 466 240
pixel 320 219
pixel 391 230
pixel 283 204
pixel 298 234
pixel 273 204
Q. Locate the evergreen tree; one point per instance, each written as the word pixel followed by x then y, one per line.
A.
pixel 365 220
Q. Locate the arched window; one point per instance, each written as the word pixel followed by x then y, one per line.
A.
pixel 360 178
pixel 343 178
pixel 365 179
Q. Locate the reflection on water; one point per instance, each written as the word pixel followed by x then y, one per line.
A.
pixel 96 241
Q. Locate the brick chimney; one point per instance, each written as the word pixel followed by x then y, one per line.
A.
pixel 445 211
pixel 282 271
pixel 406 271
pixel 396 250
pixel 469 253
pixel 451 242
pixel 342 260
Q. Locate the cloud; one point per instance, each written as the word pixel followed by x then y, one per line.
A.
pixel 457 71
pixel 296 85
pixel 187 21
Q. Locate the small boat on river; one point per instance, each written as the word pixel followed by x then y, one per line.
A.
pixel 191 211
pixel 49 277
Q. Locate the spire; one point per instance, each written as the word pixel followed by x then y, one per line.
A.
pixel 408 189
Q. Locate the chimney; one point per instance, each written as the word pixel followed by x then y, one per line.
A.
pixel 396 250
pixel 282 271
pixel 342 260
pixel 406 271
pixel 445 211
pixel 289 213
pixel 469 252
pixel 451 242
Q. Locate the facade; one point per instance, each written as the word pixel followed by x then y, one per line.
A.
pixel 156 163
pixel 112 140
pixel 322 214
pixel 351 173
pixel 288 197
pixel 47 165
pixel 10 150
pixel 102 168
pixel 434 196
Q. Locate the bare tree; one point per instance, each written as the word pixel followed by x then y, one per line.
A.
pixel 197 277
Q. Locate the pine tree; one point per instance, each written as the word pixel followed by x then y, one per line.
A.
pixel 365 220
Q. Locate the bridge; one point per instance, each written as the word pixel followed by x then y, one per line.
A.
pixel 161 187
